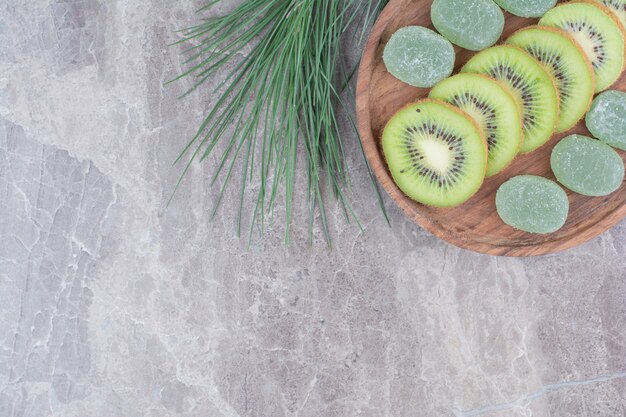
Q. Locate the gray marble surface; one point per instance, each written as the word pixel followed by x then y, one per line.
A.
pixel 113 305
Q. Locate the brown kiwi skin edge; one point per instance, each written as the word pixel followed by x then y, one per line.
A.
pixel 580 49
pixel 481 134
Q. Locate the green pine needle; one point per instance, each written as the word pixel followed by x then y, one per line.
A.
pixel 288 87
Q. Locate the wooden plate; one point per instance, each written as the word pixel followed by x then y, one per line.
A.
pixel 474 225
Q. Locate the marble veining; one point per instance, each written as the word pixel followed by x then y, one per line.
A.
pixel 113 304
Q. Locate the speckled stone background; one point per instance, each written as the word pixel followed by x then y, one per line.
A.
pixel 113 305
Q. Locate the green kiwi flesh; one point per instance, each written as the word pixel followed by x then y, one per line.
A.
pixel 436 154
pixel 493 108
pixel 598 33
pixel 618 7
pixel 561 56
pixel 531 85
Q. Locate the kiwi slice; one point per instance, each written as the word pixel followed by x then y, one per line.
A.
pixel 618 7
pixel 533 88
pixel 495 110
pixel 526 8
pixel 436 153
pixel 598 32
pixel 563 58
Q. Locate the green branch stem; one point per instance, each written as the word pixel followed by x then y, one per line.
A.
pixel 284 93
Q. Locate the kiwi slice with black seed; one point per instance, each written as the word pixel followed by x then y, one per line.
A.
pixel 437 154
pixel 564 59
pixel 533 88
pixel 618 7
pixel 599 34
pixel 495 110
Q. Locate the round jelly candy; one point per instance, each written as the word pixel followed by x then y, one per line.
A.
pixel 471 24
pixel 527 8
pixel 607 118
pixel 587 166
pixel 532 204
pixel 419 57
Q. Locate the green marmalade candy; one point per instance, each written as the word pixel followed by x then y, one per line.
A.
pixel 587 166
pixel 607 118
pixel 419 57
pixel 470 24
pixel 527 8
pixel 532 204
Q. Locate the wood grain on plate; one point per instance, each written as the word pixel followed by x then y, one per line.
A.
pixel 474 225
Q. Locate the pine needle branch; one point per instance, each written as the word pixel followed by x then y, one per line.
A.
pixel 284 94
